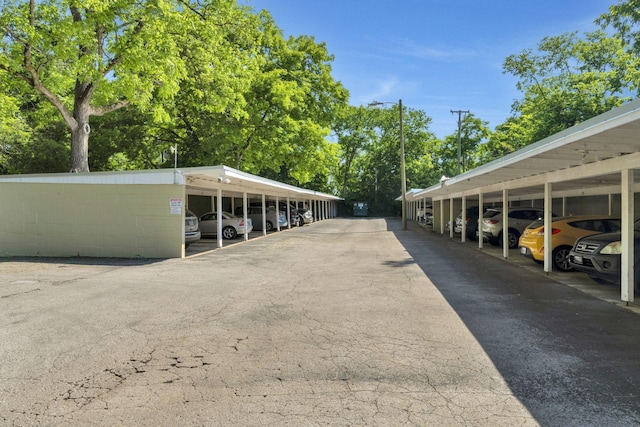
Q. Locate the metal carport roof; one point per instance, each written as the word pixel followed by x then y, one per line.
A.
pixel 230 180
pixel 584 159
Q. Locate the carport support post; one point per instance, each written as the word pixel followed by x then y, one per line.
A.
pixel 627 255
pixel 441 216
pixel 278 213
pixel 505 223
pixel 480 215
pixel 244 213
pixel 451 225
pixel 463 237
pixel 264 216
pixel 219 214
pixel 548 265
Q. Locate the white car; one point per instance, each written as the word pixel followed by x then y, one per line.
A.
pixel 232 225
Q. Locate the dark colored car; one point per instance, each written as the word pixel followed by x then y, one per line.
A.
pixel 599 257
pixel 471 217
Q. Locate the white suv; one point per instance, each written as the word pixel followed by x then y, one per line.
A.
pixel 191 228
pixel 519 218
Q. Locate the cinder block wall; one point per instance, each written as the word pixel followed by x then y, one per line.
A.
pixel 93 220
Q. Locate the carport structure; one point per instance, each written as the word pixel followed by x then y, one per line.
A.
pixel 239 188
pixel 592 166
pixel 130 214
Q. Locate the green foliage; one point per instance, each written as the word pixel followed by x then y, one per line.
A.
pixel 568 80
pixel 370 163
pixel 473 133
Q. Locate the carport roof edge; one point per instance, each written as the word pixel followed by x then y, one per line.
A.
pixel 230 179
pixel 215 176
pixel 574 140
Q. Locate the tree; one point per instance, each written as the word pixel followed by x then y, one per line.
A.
pixel 94 57
pixel 473 132
pixel 354 133
pixel 570 80
pixel 283 109
pixel 369 166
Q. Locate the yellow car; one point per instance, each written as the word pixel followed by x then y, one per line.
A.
pixel 565 231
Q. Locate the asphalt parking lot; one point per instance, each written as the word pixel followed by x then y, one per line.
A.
pixel 343 322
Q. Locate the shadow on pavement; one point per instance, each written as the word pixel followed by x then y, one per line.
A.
pixel 570 358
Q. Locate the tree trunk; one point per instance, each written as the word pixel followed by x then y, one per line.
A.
pixel 80 132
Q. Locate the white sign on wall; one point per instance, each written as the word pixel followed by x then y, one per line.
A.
pixel 176 206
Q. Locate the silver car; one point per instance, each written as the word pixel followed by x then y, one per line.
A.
pixel 519 218
pixel 191 228
pixel 232 226
pixel 255 213
pixel 305 216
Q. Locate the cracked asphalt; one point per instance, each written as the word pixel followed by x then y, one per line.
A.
pixel 335 323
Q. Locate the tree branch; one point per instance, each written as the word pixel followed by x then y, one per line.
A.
pixel 100 111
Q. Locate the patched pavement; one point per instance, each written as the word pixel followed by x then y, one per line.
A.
pixel 343 322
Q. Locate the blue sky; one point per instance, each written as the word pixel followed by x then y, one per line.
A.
pixel 435 55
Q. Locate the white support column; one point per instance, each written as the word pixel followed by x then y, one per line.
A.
pixel 451 225
pixel 480 215
pixel 627 255
pixel 278 213
pixel 463 237
pixel 219 216
pixel 442 216
pixel 264 216
pixel 547 208
pixel 244 215
pixel 505 223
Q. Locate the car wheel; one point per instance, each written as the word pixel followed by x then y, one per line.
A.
pixel 513 238
pixel 269 226
pixel 229 232
pixel 560 258
pixel 301 221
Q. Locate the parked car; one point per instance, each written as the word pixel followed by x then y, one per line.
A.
pixel 305 216
pixel 231 225
pixel 428 215
pixel 564 233
pixel 471 217
pixel 293 213
pixel 255 213
pixel 599 257
pixel 191 228
pixel 519 218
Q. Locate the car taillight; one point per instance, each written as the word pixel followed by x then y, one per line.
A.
pixel 493 221
pixel 553 231
pixel 241 223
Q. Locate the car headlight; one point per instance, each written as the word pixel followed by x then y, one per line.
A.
pixel 613 248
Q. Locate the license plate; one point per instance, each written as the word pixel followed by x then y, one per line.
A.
pixel 523 250
pixel 577 259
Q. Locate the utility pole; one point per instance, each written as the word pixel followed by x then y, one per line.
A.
pixel 460 113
